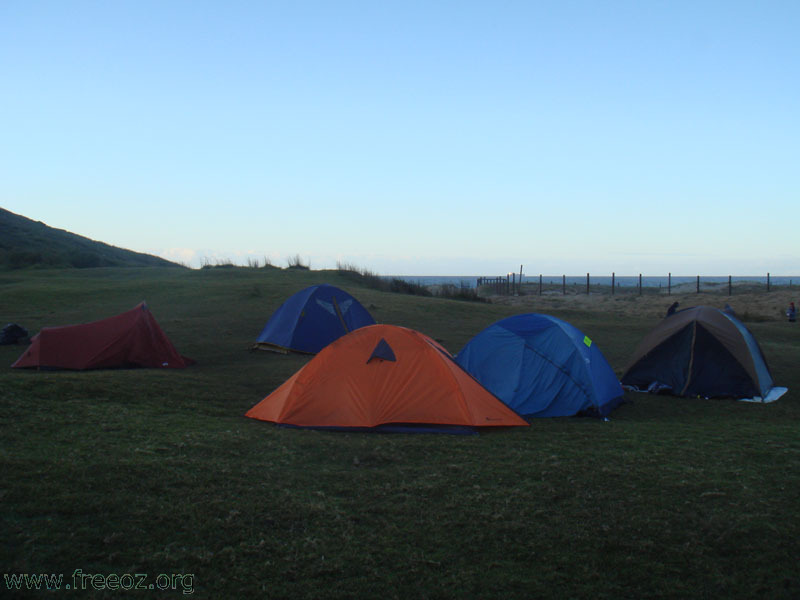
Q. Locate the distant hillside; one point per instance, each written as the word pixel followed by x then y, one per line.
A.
pixel 27 243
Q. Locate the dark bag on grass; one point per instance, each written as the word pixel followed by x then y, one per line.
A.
pixel 12 333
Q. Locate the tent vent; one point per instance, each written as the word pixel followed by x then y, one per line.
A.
pixel 383 351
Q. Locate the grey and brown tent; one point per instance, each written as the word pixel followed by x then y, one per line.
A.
pixel 701 351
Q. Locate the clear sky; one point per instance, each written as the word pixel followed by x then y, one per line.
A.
pixel 411 137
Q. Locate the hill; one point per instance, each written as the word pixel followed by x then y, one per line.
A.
pixel 26 243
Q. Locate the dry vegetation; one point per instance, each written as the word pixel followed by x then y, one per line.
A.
pixel 749 304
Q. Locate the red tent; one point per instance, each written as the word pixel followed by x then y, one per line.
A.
pixel 381 376
pixel 130 339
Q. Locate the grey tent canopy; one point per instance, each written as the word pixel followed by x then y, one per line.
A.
pixel 701 351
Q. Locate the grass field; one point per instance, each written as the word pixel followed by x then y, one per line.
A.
pixel 158 472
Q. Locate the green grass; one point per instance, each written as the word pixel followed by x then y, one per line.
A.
pixel 146 471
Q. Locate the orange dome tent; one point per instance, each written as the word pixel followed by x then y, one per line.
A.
pixel 384 377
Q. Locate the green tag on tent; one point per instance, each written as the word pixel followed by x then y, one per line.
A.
pixel 587 341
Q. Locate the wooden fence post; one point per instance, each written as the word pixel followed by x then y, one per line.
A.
pixel 514 285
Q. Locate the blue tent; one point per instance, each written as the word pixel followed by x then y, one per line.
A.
pixel 313 318
pixel 705 352
pixel 541 366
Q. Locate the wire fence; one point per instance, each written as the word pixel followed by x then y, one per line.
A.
pixel 521 284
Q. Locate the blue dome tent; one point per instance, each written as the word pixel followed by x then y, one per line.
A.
pixel 541 366
pixel 311 319
pixel 704 352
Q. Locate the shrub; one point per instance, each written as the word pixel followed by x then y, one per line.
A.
pixel 295 262
pixel 86 260
pixel 372 280
pixel 462 292
pixel 20 259
pixel 219 263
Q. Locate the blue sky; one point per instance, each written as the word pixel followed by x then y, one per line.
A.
pixel 409 137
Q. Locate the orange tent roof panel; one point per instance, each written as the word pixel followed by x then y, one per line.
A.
pixel 380 375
